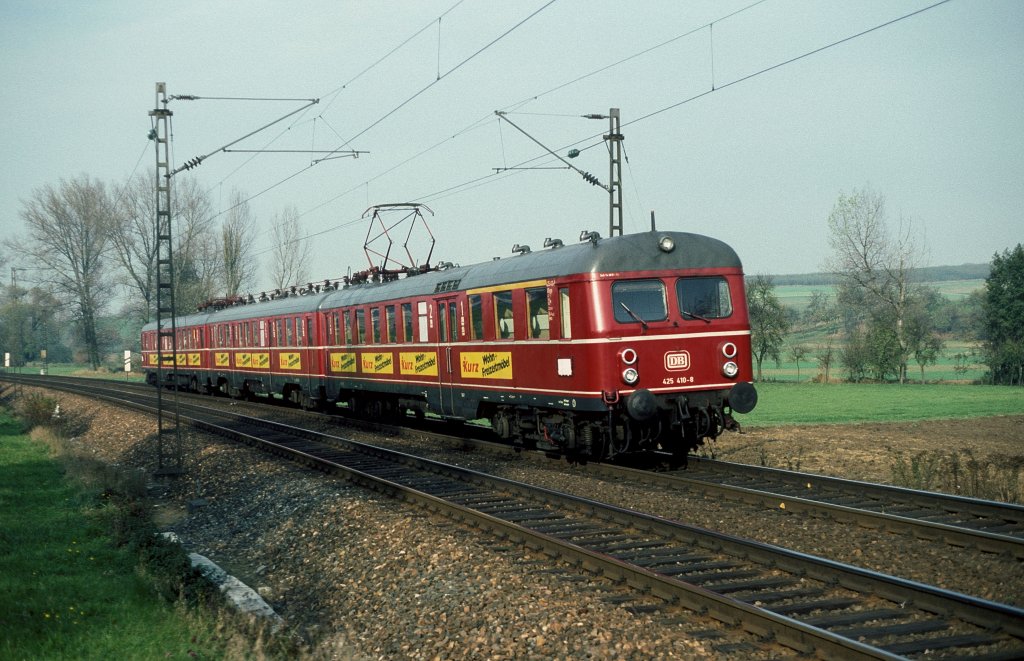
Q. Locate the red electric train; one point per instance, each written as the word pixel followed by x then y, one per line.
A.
pixel 630 344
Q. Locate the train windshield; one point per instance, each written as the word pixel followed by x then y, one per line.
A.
pixel 639 301
pixel 704 298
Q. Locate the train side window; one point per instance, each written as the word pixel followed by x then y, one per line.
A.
pixel 360 326
pixel 392 324
pixel 476 317
pixel 423 321
pixel 289 337
pixel 309 331
pixel 348 327
pixel 279 335
pixel 300 334
pixel 537 313
pixel 636 301
pixel 407 321
pixel 704 298
pixel 375 324
pixel 564 313
pixel 504 322
pixel 263 333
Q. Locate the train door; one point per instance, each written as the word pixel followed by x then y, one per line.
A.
pixel 447 333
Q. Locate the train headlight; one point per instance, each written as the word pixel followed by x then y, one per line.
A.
pixel 630 376
pixel 628 356
pixel 729 350
pixel 730 369
pixel 667 244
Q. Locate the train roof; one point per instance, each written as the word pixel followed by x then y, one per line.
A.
pixel 630 252
pixel 627 253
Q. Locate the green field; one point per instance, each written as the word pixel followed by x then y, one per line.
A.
pixel 836 403
pixel 798 296
pixel 68 591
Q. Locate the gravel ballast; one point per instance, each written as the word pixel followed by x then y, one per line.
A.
pixel 360 576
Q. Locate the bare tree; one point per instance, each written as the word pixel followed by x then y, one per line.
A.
pixel 768 321
pixel 68 242
pixel 825 356
pixel 875 261
pixel 291 250
pixel 196 265
pixel 238 234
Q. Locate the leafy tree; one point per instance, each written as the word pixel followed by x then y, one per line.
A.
pixel 825 355
pixel 924 340
pixel 1004 317
pixel 875 264
pixel 68 243
pixel 820 309
pixel 798 352
pixel 768 320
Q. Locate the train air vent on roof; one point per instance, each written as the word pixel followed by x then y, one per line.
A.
pixel 447 285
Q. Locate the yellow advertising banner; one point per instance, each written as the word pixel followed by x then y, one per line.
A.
pixel 261 360
pixel 194 360
pixel 343 362
pixel 182 359
pixel 222 359
pixel 377 363
pixel 243 360
pixel 153 358
pixel 419 363
pixel 289 361
pixel 486 364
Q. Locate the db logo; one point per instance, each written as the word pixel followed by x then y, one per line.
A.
pixel 677 361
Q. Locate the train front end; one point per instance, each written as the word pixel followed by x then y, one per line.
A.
pixel 678 361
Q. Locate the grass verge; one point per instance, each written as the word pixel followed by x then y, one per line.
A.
pixel 82 572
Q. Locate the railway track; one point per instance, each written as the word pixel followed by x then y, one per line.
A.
pixel 988 526
pixel 806 603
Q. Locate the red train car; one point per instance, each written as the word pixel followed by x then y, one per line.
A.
pixel 637 343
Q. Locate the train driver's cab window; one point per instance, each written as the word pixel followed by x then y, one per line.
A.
pixel 537 312
pixel 504 326
pixel 703 298
pixel 639 301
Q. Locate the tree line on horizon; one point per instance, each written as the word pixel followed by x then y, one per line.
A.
pixel 884 315
pixel 85 242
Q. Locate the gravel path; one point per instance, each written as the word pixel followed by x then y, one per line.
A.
pixel 362 577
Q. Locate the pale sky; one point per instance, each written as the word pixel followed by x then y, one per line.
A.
pixel 926 111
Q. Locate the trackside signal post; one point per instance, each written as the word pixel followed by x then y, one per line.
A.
pixel 169 448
